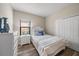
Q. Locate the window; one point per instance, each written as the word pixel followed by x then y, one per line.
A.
pixel 25 27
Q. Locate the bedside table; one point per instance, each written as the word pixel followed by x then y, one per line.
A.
pixel 24 39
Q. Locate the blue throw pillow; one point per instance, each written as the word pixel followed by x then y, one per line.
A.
pixel 39 33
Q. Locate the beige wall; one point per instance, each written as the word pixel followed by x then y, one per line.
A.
pixel 35 20
pixel 6 10
pixel 67 11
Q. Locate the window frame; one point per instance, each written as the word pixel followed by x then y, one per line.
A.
pixel 29 27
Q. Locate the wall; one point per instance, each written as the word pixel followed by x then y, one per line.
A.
pixel 6 10
pixel 72 9
pixel 35 20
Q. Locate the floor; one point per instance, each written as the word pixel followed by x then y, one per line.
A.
pixel 29 50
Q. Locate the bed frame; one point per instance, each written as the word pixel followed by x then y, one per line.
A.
pixel 52 49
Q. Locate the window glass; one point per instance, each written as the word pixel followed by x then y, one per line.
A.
pixel 24 28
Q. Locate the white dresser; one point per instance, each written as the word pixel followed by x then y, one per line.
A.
pixel 24 39
pixel 6 44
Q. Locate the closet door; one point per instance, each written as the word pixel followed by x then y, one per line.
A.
pixel 74 30
pixel 60 28
pixel 69 30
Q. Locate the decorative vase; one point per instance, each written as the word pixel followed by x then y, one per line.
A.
pixel 4 27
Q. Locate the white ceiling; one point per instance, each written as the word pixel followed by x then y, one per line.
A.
pixel 40 9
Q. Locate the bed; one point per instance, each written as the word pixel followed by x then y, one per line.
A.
pixel 47 45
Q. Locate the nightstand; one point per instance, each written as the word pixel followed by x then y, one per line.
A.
pixel 24 39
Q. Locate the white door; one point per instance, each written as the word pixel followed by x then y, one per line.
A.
pixel 69 29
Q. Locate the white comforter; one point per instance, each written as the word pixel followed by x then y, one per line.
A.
pixel 44 41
